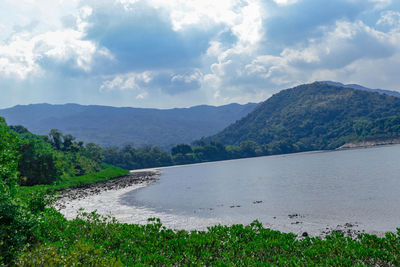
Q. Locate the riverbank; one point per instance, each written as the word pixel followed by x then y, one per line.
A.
pixel 371 143
pixel 128 182
pixel 107 199
pixel 318 211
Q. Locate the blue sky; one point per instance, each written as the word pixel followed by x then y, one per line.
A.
pixel 164 54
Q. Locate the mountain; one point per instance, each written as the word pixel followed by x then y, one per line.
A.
pixel 360 87
pixel 315 116
pixel 112 126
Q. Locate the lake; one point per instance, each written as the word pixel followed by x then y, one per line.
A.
pixel 295 192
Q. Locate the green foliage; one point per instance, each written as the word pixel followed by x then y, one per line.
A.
pixel 137 158
pixel 94 152
pixel 19 129
pixel 181 149
pixel 315 117
pixel 17 218
pixel 309 117
pixel 33 235
pixel 39 162
pixel 108 172
pixel 45 159
pixel 8 154
pixel 94 240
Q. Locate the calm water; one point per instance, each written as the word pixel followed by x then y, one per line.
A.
pixel 325 189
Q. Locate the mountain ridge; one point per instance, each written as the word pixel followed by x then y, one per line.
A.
pixel 363 88
pixel 109 126
pixel 313 117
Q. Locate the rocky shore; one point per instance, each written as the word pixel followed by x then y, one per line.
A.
pixel 80 192
pixel 370 143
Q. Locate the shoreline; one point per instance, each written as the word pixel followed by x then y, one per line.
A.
pixel 349 146
pixel 104 198
pixel 370 144
pixel 134 179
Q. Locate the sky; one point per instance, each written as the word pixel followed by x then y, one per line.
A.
pixel 181 53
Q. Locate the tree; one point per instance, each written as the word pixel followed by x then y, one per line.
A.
pixel 182 149
pixel 8 154
pixel 94 152
pixel 38 162
pixel 17 224
pixel 68 142
pixel 55 137
pixel 19 129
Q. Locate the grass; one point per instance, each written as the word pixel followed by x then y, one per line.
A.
pixel 107 173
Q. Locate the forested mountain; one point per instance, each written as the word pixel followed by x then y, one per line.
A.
pixel 315 116
pixel 112 126
pixel 360 87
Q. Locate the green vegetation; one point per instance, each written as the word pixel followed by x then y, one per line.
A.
pixel 108 172
pixel 34 157
pixel 93 240
pixel 309 117
pixel 46 159
pixel 33 234
pixel 17 220
pixel 315 117
pixel 129 157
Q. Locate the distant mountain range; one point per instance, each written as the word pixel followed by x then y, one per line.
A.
pixel 112 126
pixel 310 115
pixel 315 116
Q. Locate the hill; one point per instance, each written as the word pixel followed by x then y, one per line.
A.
pixel 315 116
pixel 360 87
pixel 112 126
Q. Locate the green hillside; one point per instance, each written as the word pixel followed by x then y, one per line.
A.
pixel 315 116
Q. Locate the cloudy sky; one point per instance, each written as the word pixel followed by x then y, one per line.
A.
pixel 179 53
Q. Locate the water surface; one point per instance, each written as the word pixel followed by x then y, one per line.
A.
pixel 296 192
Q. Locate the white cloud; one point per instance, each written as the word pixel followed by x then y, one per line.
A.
pixel 222 51
pixel 187 77
pixel 243 17
pixel 340 54
pixel 285 2
pixel 390 18
pixel 24 52
pixel 379 4
pixel 142 95
pixel 22 55
pixel 129 81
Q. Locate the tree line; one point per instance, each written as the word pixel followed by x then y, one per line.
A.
pixel 46 159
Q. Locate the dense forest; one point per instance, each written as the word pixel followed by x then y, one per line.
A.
pixel 129 157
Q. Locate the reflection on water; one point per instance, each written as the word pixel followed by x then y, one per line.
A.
pixel 298 191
